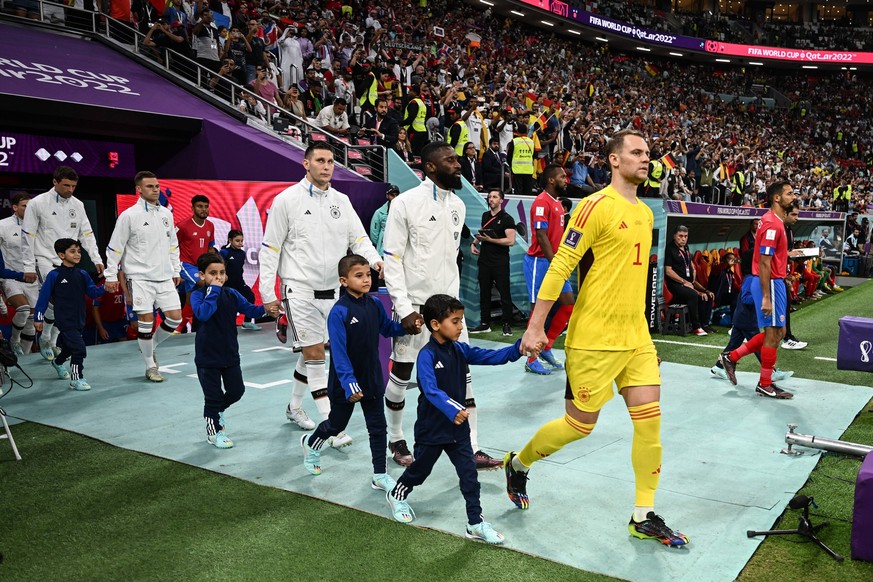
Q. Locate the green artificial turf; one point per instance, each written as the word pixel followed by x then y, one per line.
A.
pixel 79 509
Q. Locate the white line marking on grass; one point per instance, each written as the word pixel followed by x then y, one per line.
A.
pixel 688 344
pixel 826 359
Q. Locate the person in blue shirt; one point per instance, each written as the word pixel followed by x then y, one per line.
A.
pixel 235 261
pixel 65 287
pixel 353 325
pixel 442 424
pixel 216 349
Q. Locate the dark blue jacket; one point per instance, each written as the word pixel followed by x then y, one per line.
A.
pixel 354 325
pixel 235 262
pixel 215 307
pixel 66 287
pixel 745 315
pixel 442 379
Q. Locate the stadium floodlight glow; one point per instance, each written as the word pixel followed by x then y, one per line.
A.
pixel 644 49
pixel 677 54
pixel 853 68
pixel 722 60
pixel 809 67
pixel 756 63
pixel 600 38
pixel 547 23
pixel 574 31
pixel 486 2
pixel 516 12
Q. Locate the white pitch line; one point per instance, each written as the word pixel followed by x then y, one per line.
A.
pixel 688 344
pixel 826 359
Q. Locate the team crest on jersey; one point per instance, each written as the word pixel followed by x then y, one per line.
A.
pixel 456 218
pixel 72 213
pixel 583 394
pixel 335 212
pixel 572 238
pixel 166 222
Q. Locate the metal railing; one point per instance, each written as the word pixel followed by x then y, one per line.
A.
pixel 365 159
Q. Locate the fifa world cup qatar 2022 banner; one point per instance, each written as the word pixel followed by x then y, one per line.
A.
pixel 232 205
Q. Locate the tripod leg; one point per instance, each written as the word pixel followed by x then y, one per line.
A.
pixel 773 532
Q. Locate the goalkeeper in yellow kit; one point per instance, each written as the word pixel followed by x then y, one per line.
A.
pixel 609 238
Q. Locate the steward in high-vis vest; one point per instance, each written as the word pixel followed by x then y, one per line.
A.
pixel 414 118
pixel 368 92
pixel 459 134
pixel 738 185
pixel 520 155
pixel 842 195
pixel 651 188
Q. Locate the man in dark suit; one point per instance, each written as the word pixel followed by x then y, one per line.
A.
pixel 471 168
pixel 380 128
pixel 492 166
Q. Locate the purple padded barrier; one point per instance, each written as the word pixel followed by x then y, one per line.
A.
pixel 862 522
pixel 855 347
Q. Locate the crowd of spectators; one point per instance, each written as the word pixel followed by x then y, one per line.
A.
pixel 367 71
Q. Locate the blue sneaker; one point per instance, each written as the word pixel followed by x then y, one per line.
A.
pixel 536 367
pixel 383 481
pixel 45 349
pixel 719 372
pixel 251 325
pixel 63 373
pixel 311 457
pixel 549 357
pixel 779 375
pixel 400 510
pixel 17 349
pixel 485 533
pixel 80 385
pixel 220 440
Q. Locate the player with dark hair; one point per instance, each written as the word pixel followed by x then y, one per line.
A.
pixel 421 243
pixel 547 227
pixel 608 240
pixel 309 229
pixel 769 268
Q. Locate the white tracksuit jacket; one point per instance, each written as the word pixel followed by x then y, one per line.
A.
pixel 308 232
pixel 50 217
pixel 144 242
pixel 11 245
pixel 422 238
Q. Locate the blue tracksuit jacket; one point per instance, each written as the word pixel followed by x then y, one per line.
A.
pixel 442 379
pixel 215 307
pixel 354 325
pixel 66 287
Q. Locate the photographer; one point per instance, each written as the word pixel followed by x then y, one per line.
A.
pixel 220 84
pixel 161 35
pixel 236 48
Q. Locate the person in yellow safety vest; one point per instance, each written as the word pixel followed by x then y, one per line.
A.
pixel 458 132
pixel 368 90
pixel 738 184
pixel 520 156
pixel 414 118
pixel 842 195
pixel 651 188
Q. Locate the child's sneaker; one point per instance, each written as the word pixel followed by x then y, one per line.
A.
pixel 311 457
pixel 251 325
pixel 550 359
pixel 718 372
pixel 484 532
pixel 400 509
pixel 220 440
pixel 45 349
pixel 221 422
pixel 654 528
pixel 17 349
pixel 81 385
pixel 779 375
pixel 63 373
pixel 383 481
pixel 339 441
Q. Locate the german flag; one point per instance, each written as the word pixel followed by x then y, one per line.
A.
pixel 668 162
pixel 652 70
